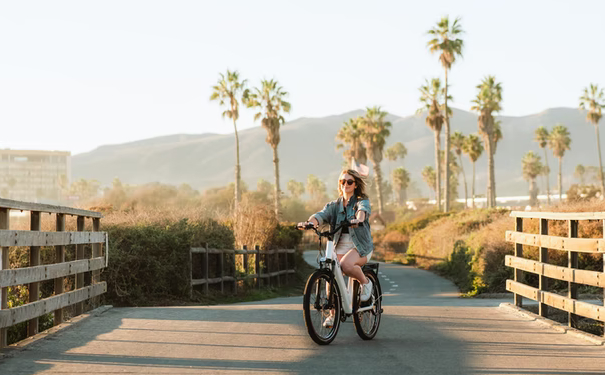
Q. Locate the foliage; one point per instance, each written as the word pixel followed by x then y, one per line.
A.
pixel 351 135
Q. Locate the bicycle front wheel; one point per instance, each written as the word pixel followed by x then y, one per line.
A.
pixel 368 320
pixel 322 307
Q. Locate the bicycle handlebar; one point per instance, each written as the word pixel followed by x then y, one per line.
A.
pixel 328 233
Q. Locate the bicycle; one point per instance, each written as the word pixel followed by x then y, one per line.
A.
pixel 326 294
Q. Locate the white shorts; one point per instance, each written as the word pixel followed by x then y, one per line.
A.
pixel 345 243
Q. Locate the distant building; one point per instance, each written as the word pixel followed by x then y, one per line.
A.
pixel 34 176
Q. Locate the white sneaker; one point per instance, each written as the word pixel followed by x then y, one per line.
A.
pixel 329 322
pixel 366 291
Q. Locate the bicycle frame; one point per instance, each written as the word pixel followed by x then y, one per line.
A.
pixel 345 290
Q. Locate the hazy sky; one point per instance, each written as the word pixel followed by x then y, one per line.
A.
pixel 75 75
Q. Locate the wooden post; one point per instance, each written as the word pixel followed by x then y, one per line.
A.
pixel 96 252
pixel 79 255
pixel 543 308
pixel 572 262
pixel 267 263
pixel 34 260
pixel 604 271
pixel 518 253
pixel 4 265
pixel 277 253
pixel 245 261
pixel 257 265
pixel 59 258
pixel 190 273
pixel 206 269
pixel 287 268
pixel 221 257
pixel 234 274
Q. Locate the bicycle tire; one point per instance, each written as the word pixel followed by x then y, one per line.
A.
pixel 317 282
pixel 371 317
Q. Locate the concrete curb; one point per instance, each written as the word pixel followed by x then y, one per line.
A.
pixel 24 344
pixel 596 340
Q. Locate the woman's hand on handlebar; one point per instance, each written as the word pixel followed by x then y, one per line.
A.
pixel 305 225
pixel 355 223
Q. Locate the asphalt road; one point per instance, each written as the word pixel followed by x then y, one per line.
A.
pixel 426 329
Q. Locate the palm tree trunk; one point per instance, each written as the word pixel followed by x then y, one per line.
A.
pixel 438 170
pixel 533 196
pixel 378 179
pixel 446 207
pixel 547 177
pixel 492 173
pixel 600 163
pixel 277 191
pixel 464 178
pixel 560 181
pixel 490 161
pixel 473 188
pixel 238 191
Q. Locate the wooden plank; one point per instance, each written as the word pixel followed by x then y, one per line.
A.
pixel 80 255
pixel 29 238
pixel 33 310
pixel 4 265
pixel 27 206
pixel 26 275
pixel 583 245
pixel 97 249
pixel 59 283
pixel 559 215
pixel 34 260
pixel 587 310
pixel 593 278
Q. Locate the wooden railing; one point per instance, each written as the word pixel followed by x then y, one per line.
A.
pixel 269 265
pixel 574 276
pixel 36 272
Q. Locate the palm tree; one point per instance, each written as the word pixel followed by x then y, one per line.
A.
pixel 296 188
pixel 594 101
pixel 350 134
pixel 445 41
pixel 558 142
pixel 375 132
pixel 431 95
pixel 228 92
pixel 579 173
pixel 486 103
pixel 458 140
pixel 532 167
pixel 428 175
pixel 396 151
pixel 270 100
pixel 542 139
pixel 401 181
pixel 315 187
pixel 473 148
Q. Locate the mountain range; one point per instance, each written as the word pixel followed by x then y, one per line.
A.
pixel 308 146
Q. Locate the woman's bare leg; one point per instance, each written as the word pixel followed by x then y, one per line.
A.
pixel 351 264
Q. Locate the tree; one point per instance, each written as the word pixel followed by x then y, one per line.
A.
pixel 350 134
pixel 428 176
pixel 296 188
pixel 396 151
pixel 473 148
pixel 228 92
pixel 541 136
pixel 445 41
pixel 487 102
pixel 594 101
pixel 458 141
pixel 401 181
pixel 431 95
pixel 316 188
pixel 558 142
pixel 375 132
pixel 532 167
pixel 579 173
pixel 269 98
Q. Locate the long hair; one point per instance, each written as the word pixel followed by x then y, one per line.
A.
pixel 360 183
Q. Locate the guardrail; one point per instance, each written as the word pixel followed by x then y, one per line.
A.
pixel 268 265
pixel 36 273
pixel 574 276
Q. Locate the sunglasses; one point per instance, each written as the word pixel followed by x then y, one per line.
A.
pixel 348 182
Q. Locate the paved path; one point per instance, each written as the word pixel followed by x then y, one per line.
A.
pixel 426 329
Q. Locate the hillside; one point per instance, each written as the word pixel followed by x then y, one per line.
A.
pixel 308 147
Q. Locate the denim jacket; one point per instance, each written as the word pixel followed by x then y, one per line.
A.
pixel 360 236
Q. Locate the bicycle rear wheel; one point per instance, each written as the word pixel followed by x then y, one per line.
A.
pixel 319 304
pixel 368 321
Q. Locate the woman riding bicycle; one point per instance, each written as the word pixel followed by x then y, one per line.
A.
pixel 353 245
